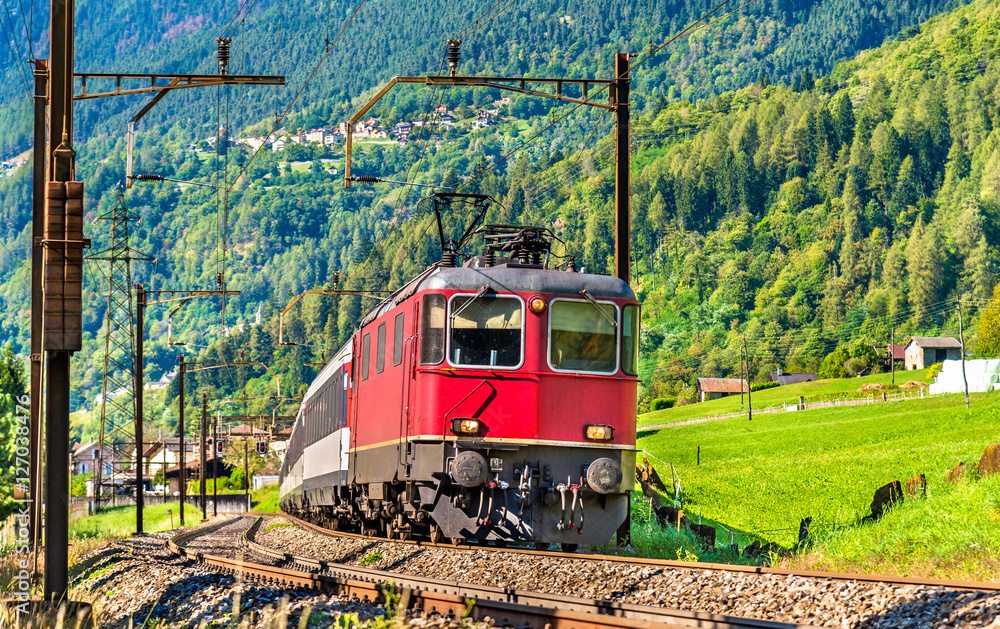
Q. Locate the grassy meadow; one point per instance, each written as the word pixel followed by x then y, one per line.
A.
pixel 761 478
pixel 820 390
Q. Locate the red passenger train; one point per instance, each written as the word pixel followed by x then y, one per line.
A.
pixel 493 401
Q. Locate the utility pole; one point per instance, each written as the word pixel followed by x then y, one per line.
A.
pixel 37 233
pixel 140 323
pixel 201 449
pixel 183 488
pixel 892 349
pixel 246 468
pixel 742 371
pixel 961 338
pixel 215 470
pixel 618 96
pixel 62 267
pixel 747 380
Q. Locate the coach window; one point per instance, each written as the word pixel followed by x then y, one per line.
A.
pixel 397 340
pixel 380 350
pixel 366 345
pixel 432 330
pixel 486 331
pixel 583 336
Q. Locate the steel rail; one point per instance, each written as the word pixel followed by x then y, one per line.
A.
pixel 678 565
pixel 509 607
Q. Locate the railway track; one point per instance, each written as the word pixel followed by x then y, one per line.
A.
pixel 505 606
pixel 677 565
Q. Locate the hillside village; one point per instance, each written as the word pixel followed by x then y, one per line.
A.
pixel 371 129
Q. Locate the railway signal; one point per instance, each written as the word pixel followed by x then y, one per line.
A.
pixel 220 447
pixel 262 448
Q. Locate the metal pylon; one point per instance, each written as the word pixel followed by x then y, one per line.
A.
pixel 117 433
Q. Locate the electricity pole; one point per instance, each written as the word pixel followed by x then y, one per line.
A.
pixel 180 429
pixel 140 322
pixel 201 449
pixel 746 356
pixel 961 338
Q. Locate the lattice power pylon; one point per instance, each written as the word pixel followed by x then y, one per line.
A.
pixel 118 416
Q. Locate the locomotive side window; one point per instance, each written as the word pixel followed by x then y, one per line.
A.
pixel 432 330
pixel 583 337
pixel 366 345
pixel 486 331
pixel 380 350
pixel 397 340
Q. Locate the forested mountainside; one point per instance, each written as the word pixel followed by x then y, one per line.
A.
pixel 574 38
pixel 809 218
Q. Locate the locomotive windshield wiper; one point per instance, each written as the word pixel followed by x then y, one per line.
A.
pixel 482 291
pixel 594 303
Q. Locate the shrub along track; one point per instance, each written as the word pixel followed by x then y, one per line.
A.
pixel 505 606
pixel 814 598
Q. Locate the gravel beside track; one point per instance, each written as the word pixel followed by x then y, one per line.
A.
pixel 132 579
pixel 792 599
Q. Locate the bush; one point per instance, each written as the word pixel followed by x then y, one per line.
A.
pixel 856 366
pixel 760 386
pixel 661 403
pixel 934 370
pixel 833 364
pixel 238 479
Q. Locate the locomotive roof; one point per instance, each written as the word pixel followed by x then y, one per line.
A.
pixel 506 279
pixel 525 280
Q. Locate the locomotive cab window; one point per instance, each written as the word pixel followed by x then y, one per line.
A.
pixel 485 331
pixel 630 340
pixel 583 336
pixel 432 329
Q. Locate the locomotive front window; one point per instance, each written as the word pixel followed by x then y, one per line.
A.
pixel 432 329
pixel 485 331
pixel 630 340
pixel 583 338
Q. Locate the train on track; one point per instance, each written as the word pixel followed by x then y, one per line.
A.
pixel 492 401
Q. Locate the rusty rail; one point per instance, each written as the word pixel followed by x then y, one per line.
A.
pixel 684 565
pixel 453 598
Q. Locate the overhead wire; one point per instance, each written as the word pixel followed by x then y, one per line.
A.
pixel 288 108
pixel 688 30
pixel 27 29
pixel 16 56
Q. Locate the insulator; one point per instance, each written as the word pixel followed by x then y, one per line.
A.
pixel 223 53
pixel 454 55
pixel 491 258
pixel 366 179
pixel 571 265
pixel 147 177
pixel 219 279
pixel 449 258
pixel 336 279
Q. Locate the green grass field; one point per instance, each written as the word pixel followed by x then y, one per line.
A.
pixel 117 522
pixel 821 390
pixel 766 475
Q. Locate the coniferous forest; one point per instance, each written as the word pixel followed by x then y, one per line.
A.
pixel 812 178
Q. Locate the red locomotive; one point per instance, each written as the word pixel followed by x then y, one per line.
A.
pixel 492 401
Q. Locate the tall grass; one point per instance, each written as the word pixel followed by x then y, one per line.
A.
pixel 766 475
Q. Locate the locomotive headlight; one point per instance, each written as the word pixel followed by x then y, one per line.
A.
pixel 599 433
pixel 536 305
pixel 465 426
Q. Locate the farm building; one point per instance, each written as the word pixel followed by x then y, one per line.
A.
pixel 713 388
pixel 924 351
pixel 792 377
